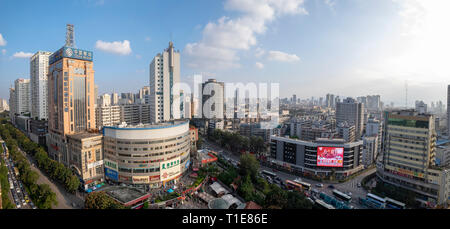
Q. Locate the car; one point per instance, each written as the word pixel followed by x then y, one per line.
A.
pixel 18 205
pixel 349 193
pixel 319 185
pixel 331 186
pixel 359 185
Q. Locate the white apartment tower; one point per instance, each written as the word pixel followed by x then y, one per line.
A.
pixel 22 94
pixel 39 91
pixel 106 114
pixel 164 78
pixel 213 99
pixel 349 110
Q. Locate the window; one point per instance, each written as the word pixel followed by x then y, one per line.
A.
pixel 98 155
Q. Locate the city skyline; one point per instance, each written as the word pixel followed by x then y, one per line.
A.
pixel 310 47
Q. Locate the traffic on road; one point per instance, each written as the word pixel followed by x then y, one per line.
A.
pixel 19 194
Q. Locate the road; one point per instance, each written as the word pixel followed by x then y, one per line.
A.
pixel 65 200
pixel 348 186
pixel 17 192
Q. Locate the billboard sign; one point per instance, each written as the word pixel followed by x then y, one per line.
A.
pixel 169 169
pixel 140 179
pixel 330 156
pixel 112 174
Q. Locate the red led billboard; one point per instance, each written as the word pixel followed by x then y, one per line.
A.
pixel 330 156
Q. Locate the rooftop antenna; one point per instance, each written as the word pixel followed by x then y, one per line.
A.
pixel 70 36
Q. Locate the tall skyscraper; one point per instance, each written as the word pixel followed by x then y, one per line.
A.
pixel 71 98
pixel 114 98
pixel 12 104
pixel 349 110
pixel 22 96
pixel 164 75
pixel 39 91
pixel 213 99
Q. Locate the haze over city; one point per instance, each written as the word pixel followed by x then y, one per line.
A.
pixel 311 47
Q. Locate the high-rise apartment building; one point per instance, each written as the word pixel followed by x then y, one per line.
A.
pixel 106 114
pixel 409 156
pixel 352 112
pixel 3 105
pixel 144 94
pixel 23 96
pixel 38 72
pixel 12 104
pixel 134 114
pixel 212 94
pixel 164 76
pixel 114 98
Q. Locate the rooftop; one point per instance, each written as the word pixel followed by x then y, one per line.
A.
pixel 124 125
pixel 84 135
pixel 125 195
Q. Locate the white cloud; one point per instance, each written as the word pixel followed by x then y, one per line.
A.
pixel 116 47
pixel 4 51
pixel 22 55
pixel 330 3
pixel 259 52
pixel 259 65
pixel 223 39
pixel 282 56
pixel 2 40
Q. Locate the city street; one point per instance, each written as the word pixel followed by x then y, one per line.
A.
pixel 17 193
pixel 65 200
pixel 346 187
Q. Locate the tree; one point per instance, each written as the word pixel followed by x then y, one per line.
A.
pixel 249 166
pixel 246 189
pixel 296 200
pixel 72 183
pixel 276 197
pixel 100 200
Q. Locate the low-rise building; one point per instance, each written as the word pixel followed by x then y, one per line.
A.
pixel 323 157
pixel 86 157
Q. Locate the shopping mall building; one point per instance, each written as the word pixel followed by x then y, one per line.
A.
pixel 301 157
pixel 152 156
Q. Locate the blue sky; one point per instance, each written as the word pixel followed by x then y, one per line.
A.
pixel 310 47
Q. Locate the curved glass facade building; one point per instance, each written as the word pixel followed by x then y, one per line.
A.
pixel 152 155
